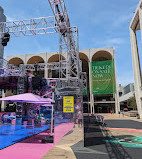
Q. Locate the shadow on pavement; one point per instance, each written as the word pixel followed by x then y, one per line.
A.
pixel 115 150
pixel 96 142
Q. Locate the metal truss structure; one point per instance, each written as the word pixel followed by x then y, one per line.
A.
pixel 69 69
pixel 8 69
pixel 73 88
pixel 68 42
pixel 44 66
pixel 35 26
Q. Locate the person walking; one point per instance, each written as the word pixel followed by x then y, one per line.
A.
pixel 103 122
pixel 80 119
pixel 122 113
pixel 119 113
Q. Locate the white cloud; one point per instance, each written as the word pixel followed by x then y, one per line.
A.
pixel 108 42
pixel 8 18
pixel 40 47
pixel 124 77
pixel 124 80
pixel 123 19
pixel 115 41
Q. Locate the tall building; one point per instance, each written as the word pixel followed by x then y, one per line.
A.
pixel 129 88
pixel 125 93
pixel 136 24
pixel 92 102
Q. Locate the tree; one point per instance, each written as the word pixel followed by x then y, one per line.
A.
pixel 131 103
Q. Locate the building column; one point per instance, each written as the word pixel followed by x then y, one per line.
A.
pixel 140 20
pixel 45 68
pixel 91 95
pixel 116 95
pixel 93 108
pixel 117 104
pixel 3 102
pixel 2 19
pixel 50 74
pixel 45 71
pixel 136 71
pixel 1 49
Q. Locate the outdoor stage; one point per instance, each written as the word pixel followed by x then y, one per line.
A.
pixel 30 147
pixel 11 134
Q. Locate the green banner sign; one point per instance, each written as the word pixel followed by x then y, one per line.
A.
pixel 84 91
pixel 103 77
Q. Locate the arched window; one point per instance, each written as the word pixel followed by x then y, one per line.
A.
pixel 101 56
pixel 16 61
pixel 34 60
pixel 54 73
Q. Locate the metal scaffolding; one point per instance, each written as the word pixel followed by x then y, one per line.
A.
pixel 35 26
pixel 69 69
pixel 68 42
pixel 8 69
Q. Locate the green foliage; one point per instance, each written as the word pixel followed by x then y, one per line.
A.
pixel 131 103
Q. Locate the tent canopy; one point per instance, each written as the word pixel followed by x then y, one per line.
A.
pixel 47 105
pixel 27 98
pixel 40 103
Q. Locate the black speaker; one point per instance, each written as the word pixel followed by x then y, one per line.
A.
pixel 10 79
pixel 5 90
pixel 36 82
pixel 47 139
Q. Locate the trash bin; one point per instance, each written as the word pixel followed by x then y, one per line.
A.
pixel 138 117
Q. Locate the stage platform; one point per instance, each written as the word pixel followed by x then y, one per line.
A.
pixel 11 134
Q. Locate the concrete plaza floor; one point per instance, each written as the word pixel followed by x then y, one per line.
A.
pixel 63 150
pixel 118 127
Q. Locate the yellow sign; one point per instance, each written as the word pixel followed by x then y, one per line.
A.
pixel 68 104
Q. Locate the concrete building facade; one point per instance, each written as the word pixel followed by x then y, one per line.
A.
pixel 125 93
pixel 86 56
pixel 136 24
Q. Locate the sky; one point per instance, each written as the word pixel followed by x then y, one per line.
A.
pixel 101 23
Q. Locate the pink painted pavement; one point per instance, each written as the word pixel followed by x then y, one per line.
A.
pixel 32 148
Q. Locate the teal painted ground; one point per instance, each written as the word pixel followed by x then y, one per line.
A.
pixel 128 142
